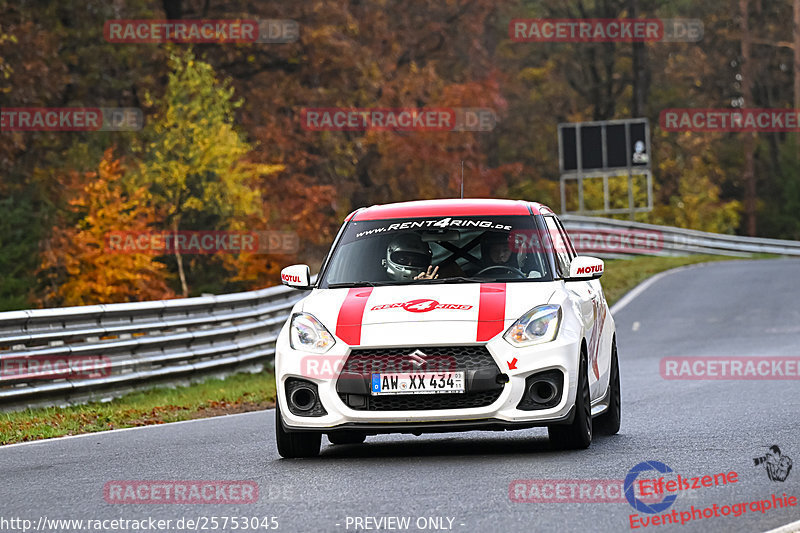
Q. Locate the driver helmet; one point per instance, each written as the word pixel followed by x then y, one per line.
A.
pixel 407 256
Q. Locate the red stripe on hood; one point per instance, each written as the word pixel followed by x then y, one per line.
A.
pixel 491 310
pixel 348 324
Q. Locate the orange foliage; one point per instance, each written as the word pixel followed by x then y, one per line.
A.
pixel 78 268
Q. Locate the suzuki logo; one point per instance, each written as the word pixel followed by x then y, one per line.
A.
pixel 417 358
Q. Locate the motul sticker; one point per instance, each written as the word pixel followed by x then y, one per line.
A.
pixel 590 269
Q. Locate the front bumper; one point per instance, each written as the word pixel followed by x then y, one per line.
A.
pixel 502 414
pixel 417 428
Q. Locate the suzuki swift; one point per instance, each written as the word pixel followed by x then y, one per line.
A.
pixel 447 315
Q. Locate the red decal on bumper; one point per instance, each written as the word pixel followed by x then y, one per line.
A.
pixel 491 310
pixel 348 324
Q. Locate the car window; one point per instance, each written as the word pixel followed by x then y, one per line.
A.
pixel 395 251
pixel 565 236
pixel 560 248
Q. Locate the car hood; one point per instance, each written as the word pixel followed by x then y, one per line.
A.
pixel 410 314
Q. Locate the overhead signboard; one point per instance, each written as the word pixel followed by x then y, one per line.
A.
pixel 612 145
pixel 605 150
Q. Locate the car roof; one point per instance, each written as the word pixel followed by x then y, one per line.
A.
pixel 449 207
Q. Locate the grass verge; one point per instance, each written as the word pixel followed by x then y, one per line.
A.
pixel 243 392
pixel 236 394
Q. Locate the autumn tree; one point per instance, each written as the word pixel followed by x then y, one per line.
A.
pixel 365 55
pixel 194 158
pixel 78 266
pixel 198 157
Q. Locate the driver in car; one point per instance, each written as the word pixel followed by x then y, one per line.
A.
pixel 496 251
pixel 409 258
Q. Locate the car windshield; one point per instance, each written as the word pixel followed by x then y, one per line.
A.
pixel 455 249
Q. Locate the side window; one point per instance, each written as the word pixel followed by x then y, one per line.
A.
pixel 565 236
pixel 560 246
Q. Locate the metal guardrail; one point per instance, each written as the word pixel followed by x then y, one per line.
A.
pixel 618 239
pixel 139 343
pixel 149 342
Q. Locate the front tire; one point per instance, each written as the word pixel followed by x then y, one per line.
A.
pixel 295 444
pixel 608 423
pixel 578 434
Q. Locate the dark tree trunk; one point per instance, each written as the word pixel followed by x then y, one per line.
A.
pixel 173 9
pixel 749 138
pixel 797 57
pixel 640 73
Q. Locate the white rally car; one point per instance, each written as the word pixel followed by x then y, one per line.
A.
pixel 447 315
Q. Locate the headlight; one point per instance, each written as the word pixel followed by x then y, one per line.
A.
pixel 306 333
pixel 538 325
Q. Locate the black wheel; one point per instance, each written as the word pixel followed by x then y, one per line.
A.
pixel 578 434
pixel 608 422
pixel 291 444
pixel 347 437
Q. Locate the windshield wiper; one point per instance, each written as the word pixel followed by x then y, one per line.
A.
pixel 457 279
pixel 352 284
pixel 437 281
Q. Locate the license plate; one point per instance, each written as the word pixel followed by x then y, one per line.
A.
pixel 418 383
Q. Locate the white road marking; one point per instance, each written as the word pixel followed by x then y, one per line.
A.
pixel 643 286
pixel 635 326
pixel 788 528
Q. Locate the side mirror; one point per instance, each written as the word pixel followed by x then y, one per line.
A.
pixel 585 268
pixel 297 276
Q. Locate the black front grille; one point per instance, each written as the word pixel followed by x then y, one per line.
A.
pixel 482 387
pixel 439 358
pixel 421 402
